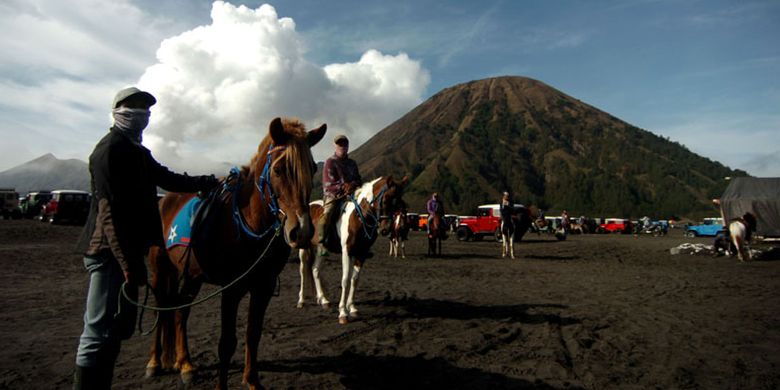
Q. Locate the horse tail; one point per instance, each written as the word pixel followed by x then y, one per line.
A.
pixel 165 288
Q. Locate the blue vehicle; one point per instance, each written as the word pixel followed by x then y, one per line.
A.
pixel 708 228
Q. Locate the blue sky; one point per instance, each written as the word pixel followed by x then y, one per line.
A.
pixel 702 73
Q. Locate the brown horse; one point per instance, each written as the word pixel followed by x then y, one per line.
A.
pixel 358 225
pixel 437 233
pixel 399 232
pixel 269 195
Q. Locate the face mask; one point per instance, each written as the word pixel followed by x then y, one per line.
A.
pixel 131 121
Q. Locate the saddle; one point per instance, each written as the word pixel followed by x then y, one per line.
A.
pixel 204 221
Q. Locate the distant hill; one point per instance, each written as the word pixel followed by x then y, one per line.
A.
pixel 474 140
pixel 47 173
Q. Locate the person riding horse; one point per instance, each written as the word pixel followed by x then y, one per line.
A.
pixel 434 207
pixel 340 177
pixel 506 208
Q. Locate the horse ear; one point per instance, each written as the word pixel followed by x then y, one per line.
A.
pixel 278 135
pixel 316 135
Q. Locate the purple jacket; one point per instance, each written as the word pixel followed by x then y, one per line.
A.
pixel 434 206
pixel 338 172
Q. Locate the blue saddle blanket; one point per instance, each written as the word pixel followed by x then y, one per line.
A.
pixel 181 228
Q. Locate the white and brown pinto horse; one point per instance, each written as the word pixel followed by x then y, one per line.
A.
pixel 740 231
pixel 399 232
pixel 358 226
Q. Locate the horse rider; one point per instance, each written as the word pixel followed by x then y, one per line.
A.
pixel 434 206
pixel 123 223
pixel 565 222
pixel 340 178
pixel 506 207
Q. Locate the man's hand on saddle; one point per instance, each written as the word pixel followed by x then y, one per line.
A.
pixel 348 188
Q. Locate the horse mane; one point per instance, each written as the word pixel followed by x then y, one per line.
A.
pixel 298 160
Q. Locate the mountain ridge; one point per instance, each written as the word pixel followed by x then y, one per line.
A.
pixel 471 141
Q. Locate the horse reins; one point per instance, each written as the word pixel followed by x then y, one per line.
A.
pixel 263 182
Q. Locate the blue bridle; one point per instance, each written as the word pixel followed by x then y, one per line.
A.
pixel 263 182
pixel 362 217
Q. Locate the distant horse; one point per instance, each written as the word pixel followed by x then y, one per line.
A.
pixel 269 195
pixel 399 232
pixel 513 227
pixel 357 228
pixel 741 230
pixel 437 233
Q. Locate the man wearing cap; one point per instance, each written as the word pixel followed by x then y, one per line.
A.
pixel 123 223
pixel 340 177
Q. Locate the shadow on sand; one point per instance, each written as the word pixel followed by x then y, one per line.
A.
pixel 434 308
pixel 359 371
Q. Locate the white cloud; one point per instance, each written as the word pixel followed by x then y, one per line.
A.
pixel 219 85
pixel 62 61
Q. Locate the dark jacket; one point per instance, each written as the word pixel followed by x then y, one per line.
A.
pixel 124 215
pixel 338 172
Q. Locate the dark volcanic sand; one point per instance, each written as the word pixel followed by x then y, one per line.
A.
pixel 595 311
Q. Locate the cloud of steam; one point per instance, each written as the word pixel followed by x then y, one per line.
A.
pixel 218 86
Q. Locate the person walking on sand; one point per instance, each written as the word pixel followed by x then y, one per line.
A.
pixel 123 223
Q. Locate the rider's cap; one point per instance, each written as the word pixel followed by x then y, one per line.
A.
pixel 339 138
pixel 132 91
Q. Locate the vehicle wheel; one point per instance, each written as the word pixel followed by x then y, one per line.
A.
pixel 690 233
pixel 464 234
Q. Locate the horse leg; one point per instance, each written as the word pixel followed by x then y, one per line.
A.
pixel 511 246
pixel 346 268
pixel 258 303
pixel 318 284
pixel 183 363
pixel 307 275
pixel 162 351
pixel 353 311
pixel 227 338
pixel 403 250
pixel 503 245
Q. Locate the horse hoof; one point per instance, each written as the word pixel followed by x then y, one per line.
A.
pixel 326 306
pixel 343 320
pixel 187 377
pixel 151 372
pixel 299 305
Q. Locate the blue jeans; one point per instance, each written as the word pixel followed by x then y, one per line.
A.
pixel 103 328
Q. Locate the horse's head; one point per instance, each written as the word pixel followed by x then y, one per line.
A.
pixel 284 158
pixel 389 199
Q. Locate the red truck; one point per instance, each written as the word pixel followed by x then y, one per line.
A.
pixel 615 225
pixel 487 222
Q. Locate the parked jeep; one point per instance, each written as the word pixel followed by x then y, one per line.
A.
pixel 32 204
pixel 66 205
pixel 487 222
pixel 615 225
pixel 709 228
pixel 9 203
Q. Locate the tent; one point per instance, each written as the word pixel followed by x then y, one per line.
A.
pixel 758 195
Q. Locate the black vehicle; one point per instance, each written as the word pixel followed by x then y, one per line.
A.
pixel 32 204
pixel 66 205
